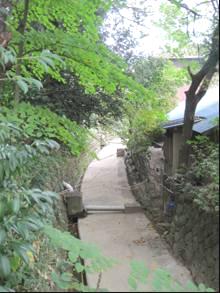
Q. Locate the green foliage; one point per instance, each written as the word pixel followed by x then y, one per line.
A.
pixel 78 44
pixel 69 98
pixel 158 73
pixel 14 157
pixel 184 33
pixel 158 280
pixel 139 274
pixel 94 262
pixel 70 33
pixel 41 123
pixel 204 173
pixel 179 42
pixel 145 127
pixel 22 211
pixel 101 73
pixel 146 114
pixel 77 250
pixel 9 57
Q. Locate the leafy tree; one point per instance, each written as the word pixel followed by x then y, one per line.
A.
pixel 22 211
pixel 70 99
pixel 70 31
pixel 161 76
pixel 73 45
pixel 161 79
pixel 123 27
pixel 201 80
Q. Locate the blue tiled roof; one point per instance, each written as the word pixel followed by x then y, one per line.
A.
pixel 178 122
pixel 205 125
pixel 207 111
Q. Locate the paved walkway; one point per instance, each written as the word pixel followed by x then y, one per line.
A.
pixel 120 235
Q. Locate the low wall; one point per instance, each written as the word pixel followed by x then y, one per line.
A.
pixel 194 238
pixel 145 173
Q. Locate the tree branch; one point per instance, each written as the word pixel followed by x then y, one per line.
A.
pixel 215 5
pixel 186 7
pixel 198 88
pixel 212 62
pixel 190 72
pixel 205 84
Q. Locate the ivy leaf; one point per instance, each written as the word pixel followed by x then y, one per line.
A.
pixel 5 267
pixel 79 267
pixel 23 85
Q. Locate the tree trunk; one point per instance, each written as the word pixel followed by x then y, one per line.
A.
pixel 187 129
pixel 198 88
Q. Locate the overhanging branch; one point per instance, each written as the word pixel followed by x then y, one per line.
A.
pixel 185 6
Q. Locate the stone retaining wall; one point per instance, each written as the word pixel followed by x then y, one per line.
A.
pixel 194 238
pixel 145 172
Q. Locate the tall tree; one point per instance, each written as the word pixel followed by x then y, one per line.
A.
pixel 207 44
pixel 69 29
pixel 198 88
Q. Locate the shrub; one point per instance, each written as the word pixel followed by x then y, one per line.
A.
pixel 204 173
pixel 41 123
pixel 22 211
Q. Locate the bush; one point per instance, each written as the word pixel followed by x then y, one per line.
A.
pixel 204 173
pixel 23 211
pixel 41 123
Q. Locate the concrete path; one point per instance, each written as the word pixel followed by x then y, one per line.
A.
pixel 122 236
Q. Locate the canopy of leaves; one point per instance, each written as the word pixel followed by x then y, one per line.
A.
pixel 190 31
pixel 70 99
pixel 69 29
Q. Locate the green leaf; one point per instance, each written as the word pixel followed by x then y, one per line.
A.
pixel 4 289
pixel 67 277
pixel 3 209
pixel 79 267
pixel 15 205
pixel 2 236
pixel 5 267
pixel 23 85
pixel 22 251
pixel 15 263
pixel 38 84
pixel 74 254
pixel 132 283
pixel 62 284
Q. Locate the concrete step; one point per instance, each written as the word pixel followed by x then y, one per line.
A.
pixel 126 208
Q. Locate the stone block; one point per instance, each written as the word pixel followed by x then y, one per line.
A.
pixel 215 252
pixel 120 152
pixel 178 250
pixel 178 237
pixel 133 208
pixel 188 238
pixel 182 220
pixel 189 254
pixel 74 203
